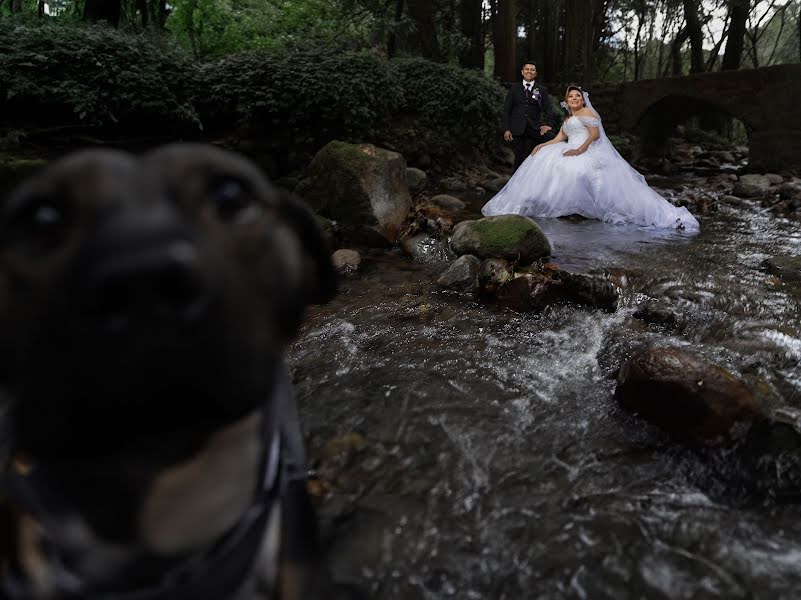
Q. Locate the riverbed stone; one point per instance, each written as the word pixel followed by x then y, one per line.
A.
pixel 790 190
pixel 495 185
pixel 448 203
pixel 722 156
pixel 750 186
pixel 771 458
pixel 359 186
pixel 346 261
pixel 462 275
pixel 774 178
pixel 415 178
pixel 427 249
pixel 690 398
pixel 788 268
pixel 513 237
pixel 529 292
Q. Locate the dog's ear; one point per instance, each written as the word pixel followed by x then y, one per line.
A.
pixel 322 283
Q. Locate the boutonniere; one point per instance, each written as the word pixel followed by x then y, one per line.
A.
pixel 535 93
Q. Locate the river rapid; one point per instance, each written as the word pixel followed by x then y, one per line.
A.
pixel 460 450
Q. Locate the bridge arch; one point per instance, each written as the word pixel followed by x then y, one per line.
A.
pixel 767 100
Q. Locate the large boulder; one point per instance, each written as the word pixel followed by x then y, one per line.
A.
pixel 359 186
pixel 751 186
pixel 688 397
pixel 513 237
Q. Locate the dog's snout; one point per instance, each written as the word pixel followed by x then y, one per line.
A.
pixel 160 281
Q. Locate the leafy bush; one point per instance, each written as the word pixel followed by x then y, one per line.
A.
pixel 306 95
pixel 68 74
pixel 458 109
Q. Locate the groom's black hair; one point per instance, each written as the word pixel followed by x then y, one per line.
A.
pixel 527 62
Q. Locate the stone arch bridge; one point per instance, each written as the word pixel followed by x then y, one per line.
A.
pixel 767 100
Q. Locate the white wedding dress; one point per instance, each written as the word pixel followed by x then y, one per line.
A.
pixel 598 184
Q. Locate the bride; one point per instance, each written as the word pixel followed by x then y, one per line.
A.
pixel 580 172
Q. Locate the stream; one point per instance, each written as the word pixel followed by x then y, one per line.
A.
pixel 466 451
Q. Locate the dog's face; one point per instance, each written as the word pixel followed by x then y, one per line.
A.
pixel 140 297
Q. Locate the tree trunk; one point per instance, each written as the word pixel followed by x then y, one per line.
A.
pixel 696 36
pixel 504 30
pixel 473 56
pixel 141 6
pixel 738 12
pixel 41 8
pixel 103 10
pixel 15 6
pixel 163 12
pixel 675 52
pixel 585 20
pixel 422 13
pixel 392 38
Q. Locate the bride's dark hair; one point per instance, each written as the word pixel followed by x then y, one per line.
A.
pixel 575 86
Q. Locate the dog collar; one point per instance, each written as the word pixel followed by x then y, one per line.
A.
pixel 215 573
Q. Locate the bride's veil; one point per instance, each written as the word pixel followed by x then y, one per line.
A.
pixel 604 144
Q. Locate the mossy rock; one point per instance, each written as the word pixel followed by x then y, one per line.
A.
pixel 512 237
pixel 358 185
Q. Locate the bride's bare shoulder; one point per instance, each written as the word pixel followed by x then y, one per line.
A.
pixel 587 112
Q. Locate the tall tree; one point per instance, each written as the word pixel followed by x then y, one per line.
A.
pixel 504 37
pixel 738 19
pixel 695 31
pixel 392 38
pixel 423 13
pixel 103 10
pixel 472 57
pixel 584 23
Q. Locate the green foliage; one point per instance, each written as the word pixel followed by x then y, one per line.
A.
pixel 64 73
pixel 307 95
pixel 314 95
pixel 459 109
pixel 624 144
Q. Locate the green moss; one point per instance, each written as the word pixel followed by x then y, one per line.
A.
pixel 501 234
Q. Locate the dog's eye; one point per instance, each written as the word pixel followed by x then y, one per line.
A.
pixel 41 222
pixel 234 201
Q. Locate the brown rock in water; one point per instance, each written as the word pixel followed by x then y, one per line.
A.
pixel 686 396
pixel 346 261
pixel 529 292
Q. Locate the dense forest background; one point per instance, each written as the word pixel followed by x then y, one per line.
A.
pixel 421 76
pixel 590 40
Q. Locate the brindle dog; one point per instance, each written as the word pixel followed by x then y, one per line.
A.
pixel 145 305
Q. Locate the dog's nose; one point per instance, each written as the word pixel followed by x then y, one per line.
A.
pixel 142 267
pixel 155 282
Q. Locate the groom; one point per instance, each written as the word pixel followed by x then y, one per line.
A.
pixel 527 114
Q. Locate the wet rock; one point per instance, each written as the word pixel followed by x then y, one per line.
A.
pixel 529 292
pixel 790 190
pixel 495 272
pixel 751 186
pixel 448 203
pixel 588 290
pixel 493 186
pixel 774 178
pixel 771 459
pixel 512 237
pixel 733 201
pixel 788 268
pixel 361 187
pixel 415 179
pixel 453 185
pixel 659 313
pixel 427 249
pixel 462 275
pixel 690 398
pixel 722 156
pixel 346 261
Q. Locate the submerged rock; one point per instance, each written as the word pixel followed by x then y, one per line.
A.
pixel 427 249
pixel 788 268
pixel 771 459
pixel 690 398
pixel 494 273
pixel 513 237
pixel 529 292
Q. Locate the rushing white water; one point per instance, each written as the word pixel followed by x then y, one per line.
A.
pixel 496 462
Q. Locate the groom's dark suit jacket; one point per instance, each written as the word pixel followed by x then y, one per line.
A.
pixel 517 109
